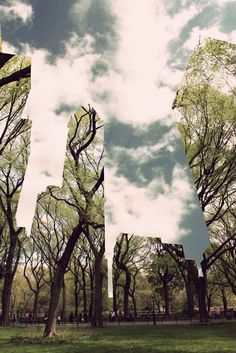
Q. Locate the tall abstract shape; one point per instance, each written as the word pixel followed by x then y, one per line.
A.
pixel 161 200
pixel 207 107
pixel 14 150
pixel 72 215
pixel 206 104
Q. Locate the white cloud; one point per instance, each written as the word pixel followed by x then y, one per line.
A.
pixel 220 2
pixel 137 211
pixel 145 153
pixel 139 68
pixel 79 10
pixel 16 9
pixel 67 81
pixel 211 32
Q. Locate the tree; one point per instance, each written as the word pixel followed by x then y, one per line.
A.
pixel 164 274
pixel 14 144
pixel 129 258
pixel 78 269
pixel 96 238
pixel 34 272
pixel 188 272
pixel 13 96
pixel 225 264
pixel 83 178
pixel 207 127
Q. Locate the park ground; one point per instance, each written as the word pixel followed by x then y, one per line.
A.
pixel 213 338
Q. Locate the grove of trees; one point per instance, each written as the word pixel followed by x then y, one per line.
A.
pixel 59 270
pixel 207 106
pixel 14 149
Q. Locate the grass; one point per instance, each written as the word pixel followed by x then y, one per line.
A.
pixel 219 338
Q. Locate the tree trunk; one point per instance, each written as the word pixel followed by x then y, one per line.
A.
pixel 189 285
pixel 63 311
pixel 76 297
pixel 203 316
pixel 224 300
pixel 126 293
pixel 190 300
pixel 84 291
pixel 8 280
pixel 134 305
pixel 6 299
pixel 201 288
pixel 35 305
pixel 209 299
pixel 114 299
pixel 98 278
pixel 50 327
pixel 208 303
pixel 91 305
pixel 166 298
pixel 158 305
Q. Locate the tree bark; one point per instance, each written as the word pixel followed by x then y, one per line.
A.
pixel 203 315
pixel 114 299
pixel 134 305
pixel 98 304
pixel 63 310
pixel 166 297
pixel 4 58
pixel 201 288
pixel 35 305
pixel 224 300
pixel 84 291
pixel 189 285
pixel 8 280
pixel 190 299
pixel 76 297
pixel 16 76
pixel 50 327
pixel 91 305
pixel 126 292
pixel 6 299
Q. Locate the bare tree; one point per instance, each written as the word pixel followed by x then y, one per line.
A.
pixel 129 257
pixel 34 272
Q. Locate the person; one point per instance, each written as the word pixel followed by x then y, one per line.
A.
pixel 14 319
pixel 113 316
pixel 85 316
pixel 30 318
pixel 59 320
pixel 81 318
pixel 71 318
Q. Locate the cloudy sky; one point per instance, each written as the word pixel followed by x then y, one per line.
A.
pixel 126 58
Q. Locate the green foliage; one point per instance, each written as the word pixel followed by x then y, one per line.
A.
pixel 210 58
pixel 207 106
pixel 13 97
pixel 163 272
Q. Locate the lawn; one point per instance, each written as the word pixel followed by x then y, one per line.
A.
pixel 220 338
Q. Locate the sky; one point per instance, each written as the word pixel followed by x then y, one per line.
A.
pixel 127 59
